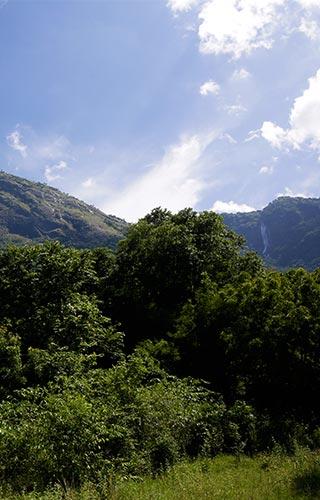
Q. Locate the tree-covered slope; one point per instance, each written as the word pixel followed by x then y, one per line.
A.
pixel 286 233
pixel 34 212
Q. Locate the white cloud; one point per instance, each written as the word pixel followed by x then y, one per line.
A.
pixel 210 87
pixel 310 28
pixel 228 137
pixel 307 4
pixel 89 183
pixel 240 74
pixel 236 109
pixel 253 134
pixel 172 183
pixel 266 169
pixel 237 27
pixel 51 173
pixel 52 148
pixel 181 5
pixel 273 134
pixel 50 177
pixel 36 151
pixel 230 207
pixel 292 194
pixel 14 140
pixel 304 121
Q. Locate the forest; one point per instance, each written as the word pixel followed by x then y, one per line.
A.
pixel 179 344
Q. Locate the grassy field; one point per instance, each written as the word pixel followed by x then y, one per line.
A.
pixel 264 477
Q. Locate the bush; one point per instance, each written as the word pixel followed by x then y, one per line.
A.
pixel 130 419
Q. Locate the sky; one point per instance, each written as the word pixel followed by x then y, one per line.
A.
pixel 134 104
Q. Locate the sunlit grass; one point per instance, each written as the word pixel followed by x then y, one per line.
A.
pixel 227 477
pixel 265 477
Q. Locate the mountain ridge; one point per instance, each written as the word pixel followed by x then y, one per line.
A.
pixel 32 212
pixel 286 233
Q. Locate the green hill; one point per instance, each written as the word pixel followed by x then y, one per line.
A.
pixel 34 212
pixel 286 233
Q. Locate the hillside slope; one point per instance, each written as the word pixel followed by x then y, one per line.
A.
pixel 286 233
pixel 34 212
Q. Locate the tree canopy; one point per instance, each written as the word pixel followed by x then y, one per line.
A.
pixel 178 344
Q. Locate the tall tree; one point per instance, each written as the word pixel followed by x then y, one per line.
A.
pixel 161 264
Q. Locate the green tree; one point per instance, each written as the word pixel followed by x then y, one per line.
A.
pixel 161 263
pixel 11 368
pixel 257 339
pixel 33 278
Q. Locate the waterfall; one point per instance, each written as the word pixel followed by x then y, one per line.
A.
pixel 265 239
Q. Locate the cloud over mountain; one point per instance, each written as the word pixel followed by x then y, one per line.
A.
pixel 230 207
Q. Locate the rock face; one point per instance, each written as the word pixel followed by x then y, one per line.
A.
pixel 286 233
pixel 34 212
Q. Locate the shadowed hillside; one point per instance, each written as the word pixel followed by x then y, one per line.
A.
pixel 34 212
pixel 286 233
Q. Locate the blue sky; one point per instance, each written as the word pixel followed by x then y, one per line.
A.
pixel 213 104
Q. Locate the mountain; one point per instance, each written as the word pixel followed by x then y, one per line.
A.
pixel 34 212
pixel 286 233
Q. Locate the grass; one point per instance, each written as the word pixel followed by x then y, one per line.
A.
pixel 226 477
pixel 265 477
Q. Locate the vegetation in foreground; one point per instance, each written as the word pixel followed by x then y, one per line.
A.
pixel 265 477
pixel 177 346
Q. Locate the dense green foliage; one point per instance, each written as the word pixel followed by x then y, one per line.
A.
pixel 31 212
pixel 162 263
pixel 177 345
pixel 286 233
